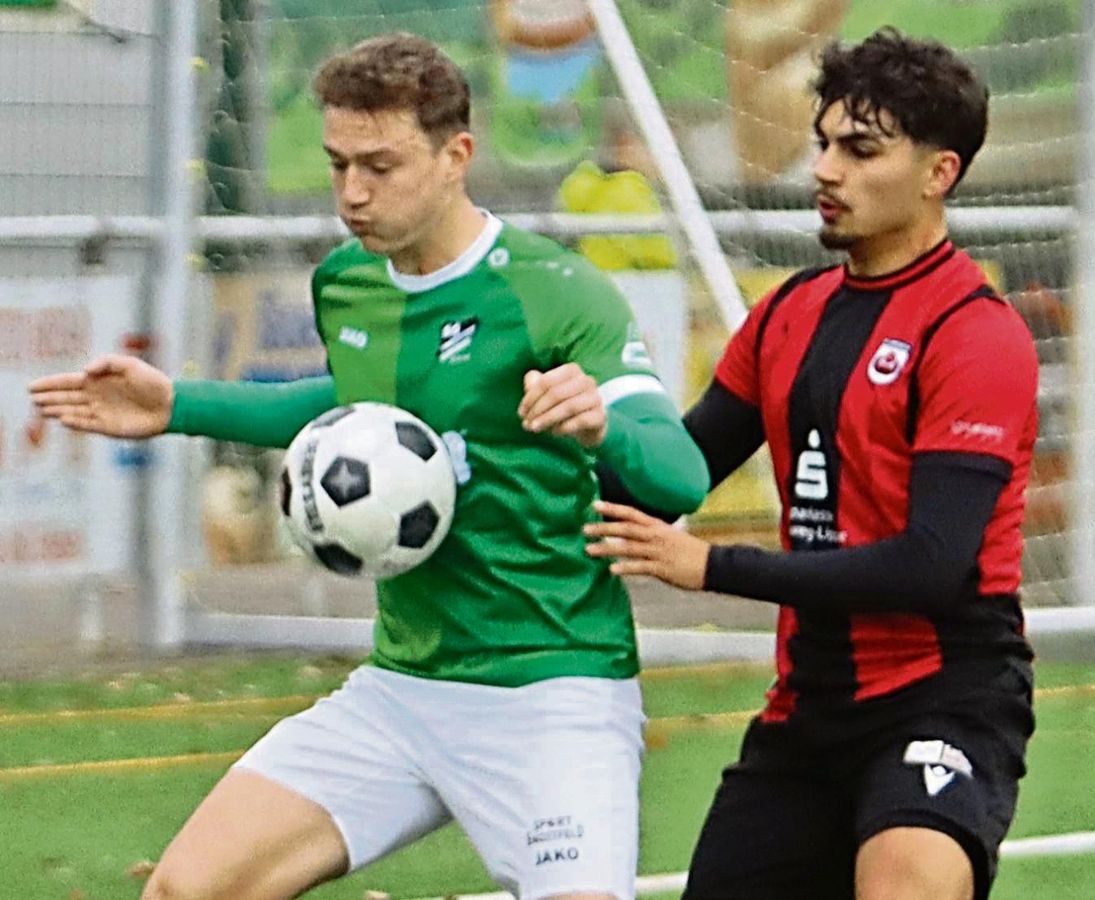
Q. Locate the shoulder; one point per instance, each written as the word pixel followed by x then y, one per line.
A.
pixel 964 300
pixel 983 329
pixel 539 268
pixel 955 283
pixel 572 310
pixel 799 288
pixel 527 245
pixel 821 276
pixel 986 313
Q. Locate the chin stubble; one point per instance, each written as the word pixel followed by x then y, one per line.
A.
pixel 832 240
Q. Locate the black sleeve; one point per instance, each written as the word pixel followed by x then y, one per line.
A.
pixel 725 428
pixel 925 569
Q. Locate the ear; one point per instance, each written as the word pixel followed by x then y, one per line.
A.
pixel 943 174
pixel 457 152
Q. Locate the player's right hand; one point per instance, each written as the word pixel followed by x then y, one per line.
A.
pixel 564 401
pixel 120 396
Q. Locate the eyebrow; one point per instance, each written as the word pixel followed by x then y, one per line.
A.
pixel 368 154
pixel 850 137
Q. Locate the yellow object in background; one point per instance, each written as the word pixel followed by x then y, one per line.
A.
pixel 588 189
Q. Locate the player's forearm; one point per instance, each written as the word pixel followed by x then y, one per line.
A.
pixel 651 454
pixel 262 414
pixel 925 569
pixel 727 431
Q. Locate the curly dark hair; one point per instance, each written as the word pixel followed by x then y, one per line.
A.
pixel 398 71
pixel 933 95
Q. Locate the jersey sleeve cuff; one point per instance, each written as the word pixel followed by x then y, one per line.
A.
pixel 616 389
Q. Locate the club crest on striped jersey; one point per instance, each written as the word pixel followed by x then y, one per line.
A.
pixel 456 337
pixel 889 361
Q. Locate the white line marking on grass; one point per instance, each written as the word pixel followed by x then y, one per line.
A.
pixel 1049 845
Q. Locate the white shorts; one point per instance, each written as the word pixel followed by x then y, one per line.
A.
pixel 544 778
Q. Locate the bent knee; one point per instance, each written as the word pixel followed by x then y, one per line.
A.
pixel 176 884
pixel 913 864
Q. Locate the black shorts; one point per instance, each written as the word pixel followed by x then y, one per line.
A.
pixel 788 819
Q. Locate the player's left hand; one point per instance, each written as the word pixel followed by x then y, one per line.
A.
pixel 644 545
pixel 564 401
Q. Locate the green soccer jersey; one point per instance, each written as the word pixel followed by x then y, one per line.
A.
pixel 510 596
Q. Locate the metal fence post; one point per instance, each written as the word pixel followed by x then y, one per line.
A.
pixel 162 540
pixel 1082 513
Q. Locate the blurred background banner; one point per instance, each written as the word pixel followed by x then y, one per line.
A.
pixel 174 147
pixel 264 327
pixel 263 330
pixel 66 499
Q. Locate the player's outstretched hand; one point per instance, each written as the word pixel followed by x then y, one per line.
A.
pixel 564 401
pixel 121 396
pixel 643 545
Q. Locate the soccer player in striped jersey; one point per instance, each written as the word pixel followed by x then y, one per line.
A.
pixel 897 395
pixel 503 690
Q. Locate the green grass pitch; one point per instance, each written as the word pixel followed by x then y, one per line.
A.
pixel 75 832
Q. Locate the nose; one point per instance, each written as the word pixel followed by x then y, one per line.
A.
pixel 826 168
pixel 356 188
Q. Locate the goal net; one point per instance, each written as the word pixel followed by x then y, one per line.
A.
pixel 557 120
pixel 717 113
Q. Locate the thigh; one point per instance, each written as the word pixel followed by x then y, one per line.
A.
pixel 774 835
pixel 356 755
pixel 250 838
pixel 545 781
pixel 957 776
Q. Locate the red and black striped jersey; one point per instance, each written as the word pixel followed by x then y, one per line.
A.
pixel 854 379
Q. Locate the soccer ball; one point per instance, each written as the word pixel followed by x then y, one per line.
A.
pixel 367 489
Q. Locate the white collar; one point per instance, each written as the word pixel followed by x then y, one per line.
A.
pixel 464 263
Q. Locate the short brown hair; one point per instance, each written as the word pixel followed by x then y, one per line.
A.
pixel 931 93
pixel 398 71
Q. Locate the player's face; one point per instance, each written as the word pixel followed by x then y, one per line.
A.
pixel 873 181
pixel 392 184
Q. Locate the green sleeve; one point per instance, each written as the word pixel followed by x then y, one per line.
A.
pixel 575 313
pixel 262 414
pixel 647 446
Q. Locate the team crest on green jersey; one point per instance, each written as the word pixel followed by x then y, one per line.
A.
pixel 456 337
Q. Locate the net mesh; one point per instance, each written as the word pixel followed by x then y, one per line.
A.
pixel 731 79
pixel 553 130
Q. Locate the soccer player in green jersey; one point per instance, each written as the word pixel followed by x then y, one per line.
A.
pixel 503 689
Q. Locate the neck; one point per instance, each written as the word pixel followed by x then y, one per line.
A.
pixel 885 253
pixel 448 237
